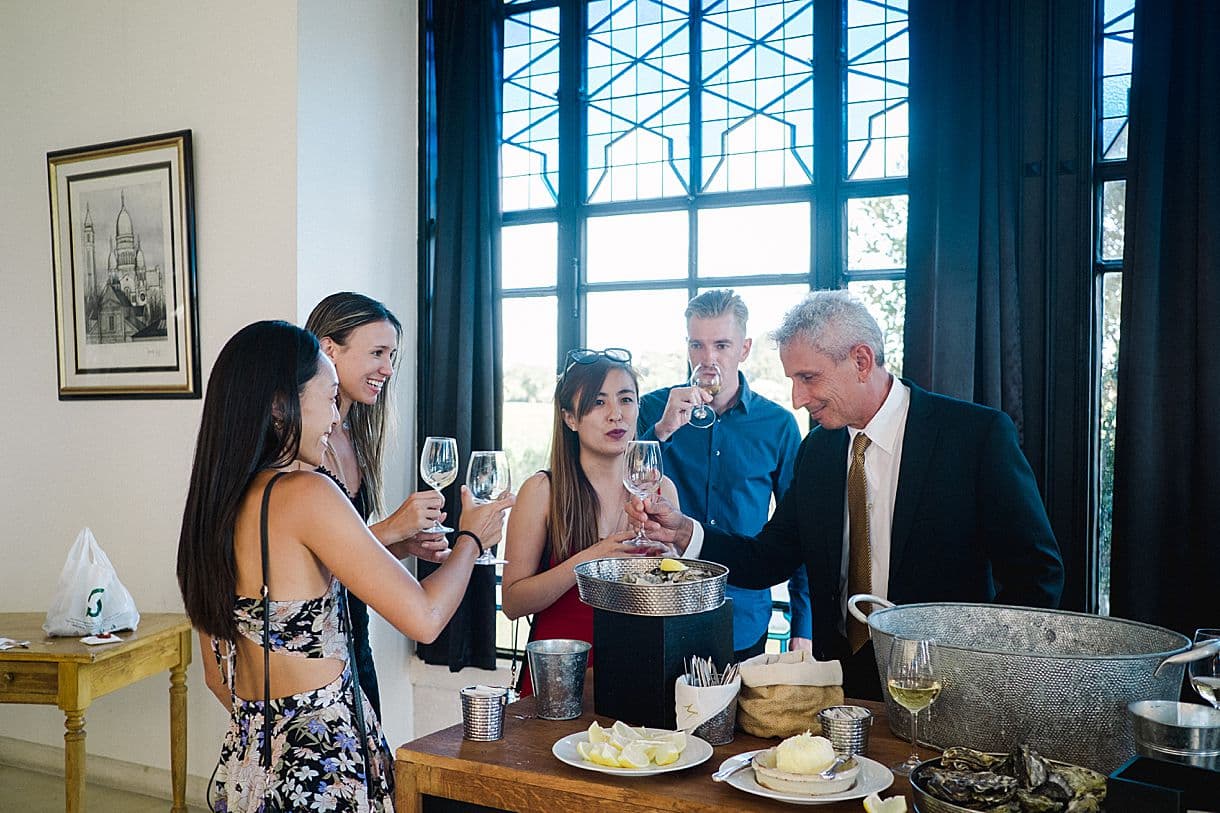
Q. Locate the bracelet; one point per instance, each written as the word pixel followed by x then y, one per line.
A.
pixel 473 536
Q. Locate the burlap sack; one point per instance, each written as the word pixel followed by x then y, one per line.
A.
pixel 781 695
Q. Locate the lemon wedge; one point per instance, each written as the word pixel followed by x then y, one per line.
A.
pixel 597 733
pixel 894 804
pixel 672 566
pixel 677 739
pixel 635 755
pixel 625 732
pixel 604 754
pixel 585 749
pixel 666 753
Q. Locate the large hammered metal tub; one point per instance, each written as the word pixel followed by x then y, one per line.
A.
pixel 1055 680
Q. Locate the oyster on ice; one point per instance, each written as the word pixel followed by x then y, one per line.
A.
pixel 982 788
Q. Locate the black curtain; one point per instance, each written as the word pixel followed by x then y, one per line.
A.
pixel 1167 457
pixel 966 311
pixel 460 333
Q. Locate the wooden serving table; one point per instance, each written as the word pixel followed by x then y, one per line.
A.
pixel 519 772
pixel 66 673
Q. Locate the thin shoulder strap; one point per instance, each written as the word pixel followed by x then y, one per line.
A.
pixel 262 531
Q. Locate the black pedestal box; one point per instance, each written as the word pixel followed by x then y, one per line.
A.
pixel 637 658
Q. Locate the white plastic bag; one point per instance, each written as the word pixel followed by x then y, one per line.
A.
pixel 89 598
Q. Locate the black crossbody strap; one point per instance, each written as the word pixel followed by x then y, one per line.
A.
pixel 358 697
pixel 262 530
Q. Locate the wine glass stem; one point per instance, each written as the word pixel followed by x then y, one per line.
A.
pixel 914 736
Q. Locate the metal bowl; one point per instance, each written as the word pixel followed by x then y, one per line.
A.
pixel 599 585
pixel 1187 733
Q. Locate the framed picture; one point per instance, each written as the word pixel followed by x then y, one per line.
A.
pixel 123 258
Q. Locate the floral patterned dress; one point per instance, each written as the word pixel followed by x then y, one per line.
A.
pixel 316 759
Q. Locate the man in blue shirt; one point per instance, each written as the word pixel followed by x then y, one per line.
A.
pixel 727 473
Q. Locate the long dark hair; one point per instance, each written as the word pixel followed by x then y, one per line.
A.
pixel 261 370
pixel 574 509
pixel 336 317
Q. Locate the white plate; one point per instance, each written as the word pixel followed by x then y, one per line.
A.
pixel 874 778
pixel 697 752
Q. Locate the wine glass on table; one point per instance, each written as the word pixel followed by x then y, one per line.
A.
pixel 488 478
pixel 1205 672
pixel 912 682
pixel 438 467
pixel 707 378
pixel 642 476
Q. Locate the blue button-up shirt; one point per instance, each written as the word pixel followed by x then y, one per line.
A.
pixel 725 476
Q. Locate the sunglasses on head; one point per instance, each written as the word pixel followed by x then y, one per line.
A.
pixel 585 355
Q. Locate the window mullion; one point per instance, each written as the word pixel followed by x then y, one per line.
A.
pixel 696 143
pixel 572 24
pixel 826 252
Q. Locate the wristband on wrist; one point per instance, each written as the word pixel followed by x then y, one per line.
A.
pixel 473 536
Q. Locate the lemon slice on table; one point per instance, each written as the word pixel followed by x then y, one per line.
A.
pixel 635 755
pixel 597 733
pixel 894 804
pixel 672 566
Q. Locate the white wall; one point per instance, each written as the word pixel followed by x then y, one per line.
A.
pixel 356 217
pixel 76 74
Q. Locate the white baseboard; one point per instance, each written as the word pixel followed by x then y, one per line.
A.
pixel 112 773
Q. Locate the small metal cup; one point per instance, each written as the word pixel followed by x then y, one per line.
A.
pixel 847 728
pixel 557 672
pixel 483 712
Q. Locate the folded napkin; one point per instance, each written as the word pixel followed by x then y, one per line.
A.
pixel 782 694
pixel 695 705
pixel 791 669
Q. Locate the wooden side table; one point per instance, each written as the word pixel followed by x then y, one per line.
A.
pixel 64 672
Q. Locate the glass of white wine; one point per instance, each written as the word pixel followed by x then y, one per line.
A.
pixel 912 681
pixel 438 467
pixel 707 378
pixel 642 475
pixel 488 478
pixel 1205 672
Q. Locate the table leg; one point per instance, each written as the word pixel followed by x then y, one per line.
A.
pixel 74 760
pixel 177 735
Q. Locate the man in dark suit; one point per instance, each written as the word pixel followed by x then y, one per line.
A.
pixel 898 492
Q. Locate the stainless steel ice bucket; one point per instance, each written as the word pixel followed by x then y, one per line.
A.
pixel 1056 680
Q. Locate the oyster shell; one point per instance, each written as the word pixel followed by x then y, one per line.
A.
pixel 1084 804
pixel 967 759
pixel 1082 781
pixel 1030 768
pixel 1031 802
pixel 970 788
pixel 658 576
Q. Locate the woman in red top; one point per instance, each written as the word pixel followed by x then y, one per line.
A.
pixel 574 512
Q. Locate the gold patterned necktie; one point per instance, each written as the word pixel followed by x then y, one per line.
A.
pixel 860 556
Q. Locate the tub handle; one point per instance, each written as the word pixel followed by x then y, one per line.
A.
pixel 860 598
pixel 1204 650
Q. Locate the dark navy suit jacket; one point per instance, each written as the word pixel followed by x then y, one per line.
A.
pixel 969 524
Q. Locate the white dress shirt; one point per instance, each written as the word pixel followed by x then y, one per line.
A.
pixel 882 460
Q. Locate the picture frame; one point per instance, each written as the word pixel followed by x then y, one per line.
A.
pixel 123 261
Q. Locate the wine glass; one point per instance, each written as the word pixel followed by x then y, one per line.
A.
pixel 912 681
pixel 488 478
pixel 642 475
pixel 438 467
pixel 707 378
pixel 1205 672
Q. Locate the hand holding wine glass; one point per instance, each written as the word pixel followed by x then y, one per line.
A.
pixel 488 478
pixel 912 682
pixel 642 475
pixel 1205 672
pixel 438 467
pixel 707 378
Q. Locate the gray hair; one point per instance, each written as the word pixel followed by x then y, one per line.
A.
pixel 833 322
pixel 716 303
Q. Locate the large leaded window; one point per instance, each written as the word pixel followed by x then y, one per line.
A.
pixel 654 149
pixel 1115 27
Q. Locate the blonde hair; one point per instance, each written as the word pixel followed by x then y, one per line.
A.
pixel 370 425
